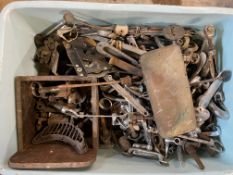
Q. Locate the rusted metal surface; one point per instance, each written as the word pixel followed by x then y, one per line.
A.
pixel 67 86
pixel 64 132
pixel 191 149
pixel 168 88
pixel 108 50
pixel 132 49
pixel 48 155
pixel 39 90
pixel 125 66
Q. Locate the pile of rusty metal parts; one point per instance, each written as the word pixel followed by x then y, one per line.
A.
pixel 160 88
pixel 61 114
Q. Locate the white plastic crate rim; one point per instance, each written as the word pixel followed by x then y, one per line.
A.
pixel 20 21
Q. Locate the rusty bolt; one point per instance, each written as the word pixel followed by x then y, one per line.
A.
pixel 191 150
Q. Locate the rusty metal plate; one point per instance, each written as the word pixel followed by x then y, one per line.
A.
pixel 168 88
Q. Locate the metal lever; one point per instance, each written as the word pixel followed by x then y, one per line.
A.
pixel 127 96
pixel 204 100
pixel 108 50
pixel 149 154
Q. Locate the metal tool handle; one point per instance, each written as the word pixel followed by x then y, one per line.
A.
pixel 127 96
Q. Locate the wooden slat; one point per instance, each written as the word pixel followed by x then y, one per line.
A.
pixel 217 3
pixel 4 2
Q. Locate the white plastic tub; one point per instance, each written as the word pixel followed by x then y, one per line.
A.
pixel 20 21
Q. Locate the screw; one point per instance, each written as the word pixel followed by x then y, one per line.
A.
pixel 79 69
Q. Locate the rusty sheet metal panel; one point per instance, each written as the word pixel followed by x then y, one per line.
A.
pixel 168 88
